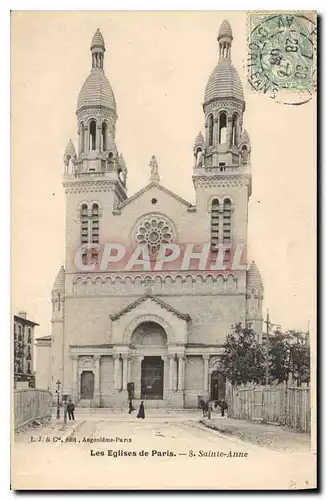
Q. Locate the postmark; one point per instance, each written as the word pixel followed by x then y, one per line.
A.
pixel 282 53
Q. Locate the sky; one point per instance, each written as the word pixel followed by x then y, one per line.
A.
pixel 158 64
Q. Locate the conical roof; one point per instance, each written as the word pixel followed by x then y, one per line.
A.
pixel 96 91
pixel 97 40
pixel 225 30
pixel 199 141
pixel 254 279
pixel 59 283
pixel 70 149
pixel 122 161
pixel 224 82
pixel 245 137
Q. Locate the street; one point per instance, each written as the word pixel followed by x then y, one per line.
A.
pixel 117 451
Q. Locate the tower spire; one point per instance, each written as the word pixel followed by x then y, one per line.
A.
pixel 225 37
pixel 98 49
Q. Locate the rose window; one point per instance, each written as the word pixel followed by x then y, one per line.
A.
pixel 153 230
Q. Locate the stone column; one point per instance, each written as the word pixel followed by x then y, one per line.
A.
pixel 229 131
pixel 74 391
pixel 165 376
pixel 98 138
pixel 96 395
pixel 138 376
pixel 171 358
pixel 206 358
pixel 117 372
pixel 125 371
pixel 181 372
pixel 129 369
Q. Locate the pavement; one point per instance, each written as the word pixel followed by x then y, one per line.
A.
pixel 105 450
pixel 273 436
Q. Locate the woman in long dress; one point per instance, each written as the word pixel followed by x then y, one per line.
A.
pixel 141 413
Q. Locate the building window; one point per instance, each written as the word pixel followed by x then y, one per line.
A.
pixel 214 225
pixel 28 367
pixel 227 219
pixel 84 224
pixel 15 331
pixel 222 128
pixel 210 130
pixel 29 335
pixel 93 132
pixel 19 332
pixel 95 223
pixel 104 136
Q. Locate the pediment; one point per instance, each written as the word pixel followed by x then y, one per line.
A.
pixel 153 298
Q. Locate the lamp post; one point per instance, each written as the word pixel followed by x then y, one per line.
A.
pixel 58 383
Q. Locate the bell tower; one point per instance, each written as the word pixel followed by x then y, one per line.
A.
pixel 95 173
pixel 221 172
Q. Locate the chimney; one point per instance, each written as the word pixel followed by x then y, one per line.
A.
pixel 22 314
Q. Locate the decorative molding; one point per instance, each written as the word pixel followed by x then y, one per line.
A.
pixel 89 186
pixel 155 299
pixel 149 318
pixel 147 188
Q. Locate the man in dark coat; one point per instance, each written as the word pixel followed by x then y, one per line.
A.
pixel 141 413
pixel 130 405
pixel 70 410
pixel 223 406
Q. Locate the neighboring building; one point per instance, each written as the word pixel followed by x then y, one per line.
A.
pixel 163 331
pixel 23 351
pixel 43 363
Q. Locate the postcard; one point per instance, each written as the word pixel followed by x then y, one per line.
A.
pixel 163 250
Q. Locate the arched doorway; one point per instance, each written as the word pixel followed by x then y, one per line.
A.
pixel 218 386
pixel 87 385
pixel 150 340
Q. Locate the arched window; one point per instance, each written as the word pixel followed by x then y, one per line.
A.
pixel 214 225
pixel 95 223
pixel 227 216
pixel 210 130
pixel 222 128
pixel 93 131
pixel 84 224
pixel 81 137
pixel 104 136
pixel 234 129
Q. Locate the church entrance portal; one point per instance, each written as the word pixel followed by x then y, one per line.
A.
pixel 152 376
pixel 87 385
pixel 218 386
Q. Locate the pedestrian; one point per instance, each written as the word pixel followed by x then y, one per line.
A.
pixel 130 405
pixel 141 413
pixel 70 410
pixel 223 407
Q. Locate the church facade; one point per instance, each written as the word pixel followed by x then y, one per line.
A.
pixel 156 331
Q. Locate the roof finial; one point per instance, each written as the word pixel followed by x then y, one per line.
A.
pixel 155 177
pixel 98 49
pixel 225 37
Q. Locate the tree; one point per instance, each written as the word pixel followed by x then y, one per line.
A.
pixel 299 355
pixel 243 359
pixel 289 352
pixel 278 356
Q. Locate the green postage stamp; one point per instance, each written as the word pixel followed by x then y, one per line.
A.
pixel 282 49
